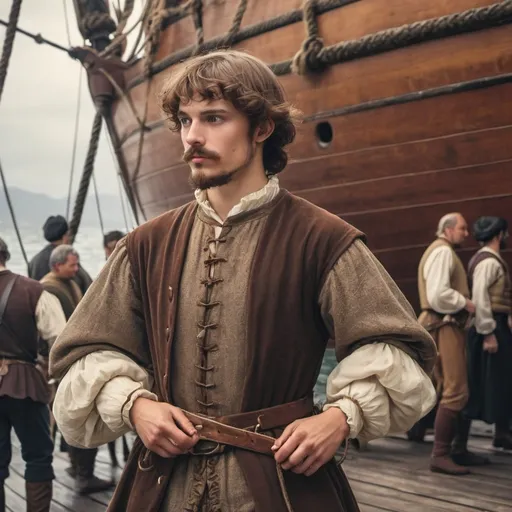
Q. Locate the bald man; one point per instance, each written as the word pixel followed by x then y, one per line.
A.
pixel 445 305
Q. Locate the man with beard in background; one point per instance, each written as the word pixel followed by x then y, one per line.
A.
pixel 490 338
pixel 445 304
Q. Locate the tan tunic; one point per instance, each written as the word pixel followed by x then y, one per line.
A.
pixel 359 302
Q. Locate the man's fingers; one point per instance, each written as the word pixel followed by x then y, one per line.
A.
pixel 169 448
pixel 179 438
pixel 183 422
pixel 296 458
pixel 305 465
pixel 289 446
pixel 287 432
pixel 314 467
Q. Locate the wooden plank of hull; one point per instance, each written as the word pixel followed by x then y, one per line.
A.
pixel 436 63
pixel 441 118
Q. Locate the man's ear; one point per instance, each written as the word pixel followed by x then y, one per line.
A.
pixel 264 131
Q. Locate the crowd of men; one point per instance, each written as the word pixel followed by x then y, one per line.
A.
pixel 33 312
pixel 466 311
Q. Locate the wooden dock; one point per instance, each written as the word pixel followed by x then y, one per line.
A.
pixel 389 475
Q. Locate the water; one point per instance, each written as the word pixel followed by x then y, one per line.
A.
pixel 88 243
pixel 328 364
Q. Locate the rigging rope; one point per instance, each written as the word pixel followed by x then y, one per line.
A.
pixel 98 207
pixel 66 19
pixel 8 42
pixel 86 177
pixel 4 65
pixel 75 140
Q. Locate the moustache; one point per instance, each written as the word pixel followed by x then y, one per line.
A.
pixel 193 152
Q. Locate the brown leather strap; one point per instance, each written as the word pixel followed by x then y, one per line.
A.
pixel 232 430
pixel 211 430
pixel 272 417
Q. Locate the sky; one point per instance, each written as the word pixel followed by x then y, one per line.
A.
pixel 39 103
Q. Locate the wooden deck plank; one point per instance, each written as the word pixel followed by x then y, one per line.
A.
pixel 390 475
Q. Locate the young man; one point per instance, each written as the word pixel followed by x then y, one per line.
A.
pixel 490 339
pixel 223 308
pixel 26 312
pixel 445 304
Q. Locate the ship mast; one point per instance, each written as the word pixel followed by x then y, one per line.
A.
pixel 96 27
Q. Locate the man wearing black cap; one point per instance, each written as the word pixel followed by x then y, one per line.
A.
pixel 55 230
pixel 26 312
pixel 490 339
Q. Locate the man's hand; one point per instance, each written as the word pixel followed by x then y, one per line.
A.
pixel 490 344
pixel 163 428
pixel 470 306
pixel 307 444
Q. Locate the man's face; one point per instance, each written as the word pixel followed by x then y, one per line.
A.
pixel 109 248
pixel 459 232
pixel 68 269
pixel 216 140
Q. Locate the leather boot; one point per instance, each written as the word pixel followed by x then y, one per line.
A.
pixel 502 438
pixel 113 455
pixel 39 496
pixel 2 497
pixel 444 432
pixel 460 453
pixel 71 469
pixel 86 482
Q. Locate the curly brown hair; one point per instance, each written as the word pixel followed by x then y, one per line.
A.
pixel 246 82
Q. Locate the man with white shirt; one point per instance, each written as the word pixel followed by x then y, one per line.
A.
pixel 490 338
pixel 206 329
pixel 26 312
pixel 445 305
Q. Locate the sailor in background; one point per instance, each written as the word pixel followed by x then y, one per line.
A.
pixel 56 232
pixel 490 338
pixel 445 304
pixel 27 312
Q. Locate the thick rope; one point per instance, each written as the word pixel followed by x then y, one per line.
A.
pixel 235 25
pixel 406 35
pixel 119 36
pixel 10 33
pixel 4 66
pixel 86 177
pixel 197 15
pixel 305 58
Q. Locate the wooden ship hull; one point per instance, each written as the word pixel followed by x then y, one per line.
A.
pixel 419 126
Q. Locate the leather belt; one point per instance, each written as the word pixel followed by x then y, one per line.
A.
pixel 243 430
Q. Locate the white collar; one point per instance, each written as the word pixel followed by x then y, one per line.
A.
pixel 247 203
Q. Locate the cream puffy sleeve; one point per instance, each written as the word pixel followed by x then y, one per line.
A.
pixel 93 401
pixel 98 384
pixel 486 273
pixel 381 381
pixel 440 295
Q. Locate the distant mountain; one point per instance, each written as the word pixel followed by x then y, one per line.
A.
pixel 33 208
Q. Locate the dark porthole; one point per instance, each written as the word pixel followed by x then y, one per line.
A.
pixel 324 134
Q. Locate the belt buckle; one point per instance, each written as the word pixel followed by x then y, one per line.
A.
pixel 217 448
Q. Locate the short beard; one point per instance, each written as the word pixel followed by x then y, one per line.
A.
pixel 199 180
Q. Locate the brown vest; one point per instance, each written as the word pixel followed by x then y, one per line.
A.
pixel 66 290
pixel 286 340
pixel 500 292
pixel 18 332
pixel 458 278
